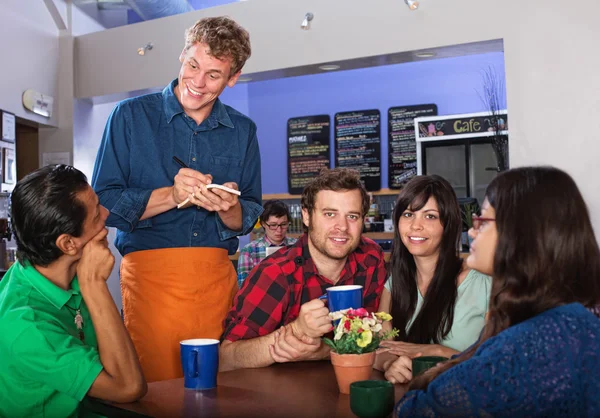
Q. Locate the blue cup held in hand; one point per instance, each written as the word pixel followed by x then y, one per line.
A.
pixel 200 363
pixel 344 297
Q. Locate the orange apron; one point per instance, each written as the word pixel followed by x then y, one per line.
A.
pixel 173 294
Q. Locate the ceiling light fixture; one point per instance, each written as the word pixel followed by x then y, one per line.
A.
pixel 412 4
pixel 147 47
pixel 307 18
pixel 329 67
pixel 243 79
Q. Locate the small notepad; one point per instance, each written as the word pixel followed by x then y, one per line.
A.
pixel 225 188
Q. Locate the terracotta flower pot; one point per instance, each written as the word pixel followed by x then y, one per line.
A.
pixel 351 368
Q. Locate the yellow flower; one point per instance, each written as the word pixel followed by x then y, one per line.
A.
pixel 384 316
pixel 356 324
pixel 364 339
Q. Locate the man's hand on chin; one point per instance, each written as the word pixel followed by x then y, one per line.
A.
pixel 96 260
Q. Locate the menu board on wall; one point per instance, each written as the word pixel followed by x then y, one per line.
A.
pixel 308 139
pixel 402 146
pixel 358 144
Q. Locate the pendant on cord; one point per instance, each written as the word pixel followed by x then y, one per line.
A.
pixel 79 324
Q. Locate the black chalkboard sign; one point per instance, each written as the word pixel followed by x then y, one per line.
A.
pixel 469 124
pixel 402 147
pixel 358 144
pixel 308 139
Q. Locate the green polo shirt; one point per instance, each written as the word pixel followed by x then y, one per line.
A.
pixel 45 369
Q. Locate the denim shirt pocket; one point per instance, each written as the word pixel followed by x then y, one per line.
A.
pixel 225 169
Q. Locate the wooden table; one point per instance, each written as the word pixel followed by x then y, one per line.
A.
pixel 305 389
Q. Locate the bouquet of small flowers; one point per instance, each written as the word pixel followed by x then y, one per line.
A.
pixel 358 332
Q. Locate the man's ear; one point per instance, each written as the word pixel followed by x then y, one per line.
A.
pixel 233 79
pixel 305 217
pixel 66 243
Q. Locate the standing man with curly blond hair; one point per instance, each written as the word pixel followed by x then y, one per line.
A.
pixel 158 154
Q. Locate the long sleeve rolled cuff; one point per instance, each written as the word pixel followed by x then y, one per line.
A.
pixel 250 213
pixel 129 209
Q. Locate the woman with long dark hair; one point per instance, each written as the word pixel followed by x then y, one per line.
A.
pixel 539 353
pixel 437 303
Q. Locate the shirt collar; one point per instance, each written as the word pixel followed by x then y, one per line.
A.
pixel 55 295
pixel 268 242
pixel 172 108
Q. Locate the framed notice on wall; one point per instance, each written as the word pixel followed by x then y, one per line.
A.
pixel 358 144
pixel 402 146
pixel 9 127
pixel 9 166
pixel 308 139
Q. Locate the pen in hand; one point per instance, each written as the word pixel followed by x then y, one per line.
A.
pixel 182 165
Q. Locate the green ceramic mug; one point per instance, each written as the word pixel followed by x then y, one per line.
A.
pixel 420 364
pixel 371 398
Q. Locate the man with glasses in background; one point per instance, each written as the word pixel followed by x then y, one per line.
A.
pixel 275 220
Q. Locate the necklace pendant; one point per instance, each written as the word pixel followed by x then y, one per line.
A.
pixel 78 319
pixel 81 335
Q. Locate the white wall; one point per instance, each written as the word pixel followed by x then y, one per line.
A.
pixel 36 55
pixel 29 55
pixel 551 66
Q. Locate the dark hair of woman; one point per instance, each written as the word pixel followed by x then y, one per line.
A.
pixel 546 254
pixel 434 320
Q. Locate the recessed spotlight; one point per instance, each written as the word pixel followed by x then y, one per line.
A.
pixel 329 67
pixel 425 54
pixel 244 79
pixel 412 4
pixel 307 18
pixel 148 47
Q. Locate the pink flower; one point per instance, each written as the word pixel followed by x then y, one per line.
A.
pixel 360 312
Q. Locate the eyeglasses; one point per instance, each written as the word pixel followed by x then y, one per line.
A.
pixel 478 222
pixel 273 227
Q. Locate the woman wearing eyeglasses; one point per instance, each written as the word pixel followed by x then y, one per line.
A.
pixel 437 303
pixel 539 353
pixel 275 220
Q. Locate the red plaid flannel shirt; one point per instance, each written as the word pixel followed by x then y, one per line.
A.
pixel 275 289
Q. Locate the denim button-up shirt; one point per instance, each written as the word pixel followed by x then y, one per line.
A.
pixel 136 157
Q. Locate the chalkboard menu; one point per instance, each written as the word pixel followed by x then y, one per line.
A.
pixel 308 149
pixel 358 144
pixel 402 146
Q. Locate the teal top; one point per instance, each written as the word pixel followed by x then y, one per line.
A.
pixel 469 311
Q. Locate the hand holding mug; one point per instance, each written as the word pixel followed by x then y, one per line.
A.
pixel 313 320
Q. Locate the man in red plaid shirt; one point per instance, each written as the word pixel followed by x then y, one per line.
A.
pixel 277 317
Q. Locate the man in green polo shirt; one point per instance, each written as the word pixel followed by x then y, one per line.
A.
pixel 61 335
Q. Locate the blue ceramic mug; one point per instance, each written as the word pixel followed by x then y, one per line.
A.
pixel 200 363
pixel 344 297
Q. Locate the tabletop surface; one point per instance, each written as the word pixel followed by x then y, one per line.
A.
pixel 304 389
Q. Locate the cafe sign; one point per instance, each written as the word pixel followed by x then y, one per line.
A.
pixel 460 126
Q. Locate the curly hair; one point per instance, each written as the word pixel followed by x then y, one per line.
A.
pixel 225 39
pixel 336 180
